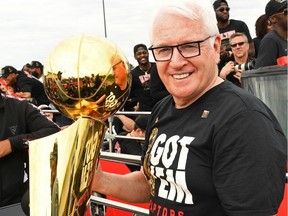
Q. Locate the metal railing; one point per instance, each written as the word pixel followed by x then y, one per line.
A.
pixel 120 158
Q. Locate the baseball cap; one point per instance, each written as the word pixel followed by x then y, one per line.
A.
pixel 36 64
pixel 274 6
pixel 217 3
pixel 141 121
pixel 7 70
pixel 136 47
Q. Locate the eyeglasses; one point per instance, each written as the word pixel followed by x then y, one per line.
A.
pixel 284 12
pixel 237 44
pixel 187 50
pixel 221 9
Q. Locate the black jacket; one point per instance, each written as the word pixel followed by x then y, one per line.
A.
pixel 20 121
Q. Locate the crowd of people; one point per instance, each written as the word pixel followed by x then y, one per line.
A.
pixel 242 52
pixel 202 154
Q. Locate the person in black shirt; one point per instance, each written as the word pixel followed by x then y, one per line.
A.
pixel 274 44
pixel 20 121
pixel 232 71
pixel 141 76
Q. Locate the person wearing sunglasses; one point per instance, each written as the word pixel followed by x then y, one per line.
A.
pixel 274 44
pixel 226 28
pixel 233 69
pixel 211 148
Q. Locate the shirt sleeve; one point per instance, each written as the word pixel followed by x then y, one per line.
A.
pixel 267 54
pixel 250 165
pixel 37 124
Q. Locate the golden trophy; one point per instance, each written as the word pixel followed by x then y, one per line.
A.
pixel 87 78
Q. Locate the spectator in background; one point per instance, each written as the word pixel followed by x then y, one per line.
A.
pixel 123 123
pixel 130 146
pixel 262 27
pixel 233 69
pixel 274 44
pixel 141 76
pixel 26 68
pixel 25 85
pixel 20 122
pixel 226 28
pixel 36 69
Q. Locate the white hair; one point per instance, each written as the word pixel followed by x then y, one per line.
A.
pixel 195 10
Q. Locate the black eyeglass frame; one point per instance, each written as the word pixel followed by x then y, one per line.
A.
pixel 177 46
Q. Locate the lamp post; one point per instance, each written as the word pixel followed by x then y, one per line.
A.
pixel 104 18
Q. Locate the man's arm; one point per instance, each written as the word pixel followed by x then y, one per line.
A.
pixel 128 123
pixel 132 187
pixel 23 94
pixel 36 124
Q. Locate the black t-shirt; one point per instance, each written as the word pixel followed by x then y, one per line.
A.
pixel 271 48
pixel 225 154
pixel 157 88
pixel 141 87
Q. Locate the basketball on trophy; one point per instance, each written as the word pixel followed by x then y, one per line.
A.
pixel 87 75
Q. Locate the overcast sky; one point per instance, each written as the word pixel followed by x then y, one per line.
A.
pixel 30 29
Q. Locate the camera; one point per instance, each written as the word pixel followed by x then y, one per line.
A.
pixel 246 66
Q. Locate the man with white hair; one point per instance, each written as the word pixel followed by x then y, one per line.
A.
pixel 211 148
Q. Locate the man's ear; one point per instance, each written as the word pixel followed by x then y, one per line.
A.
pixel 217 44
pixel 217 47
pixel 272 20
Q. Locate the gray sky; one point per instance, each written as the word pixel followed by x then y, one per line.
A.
pixel 30 29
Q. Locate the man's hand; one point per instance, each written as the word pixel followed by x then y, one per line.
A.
pixel 5 148
pixel 238 75
pixel 23 94
pixel 227 69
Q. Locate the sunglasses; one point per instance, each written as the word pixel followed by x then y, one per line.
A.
pixel 237 44
pixel 223 8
